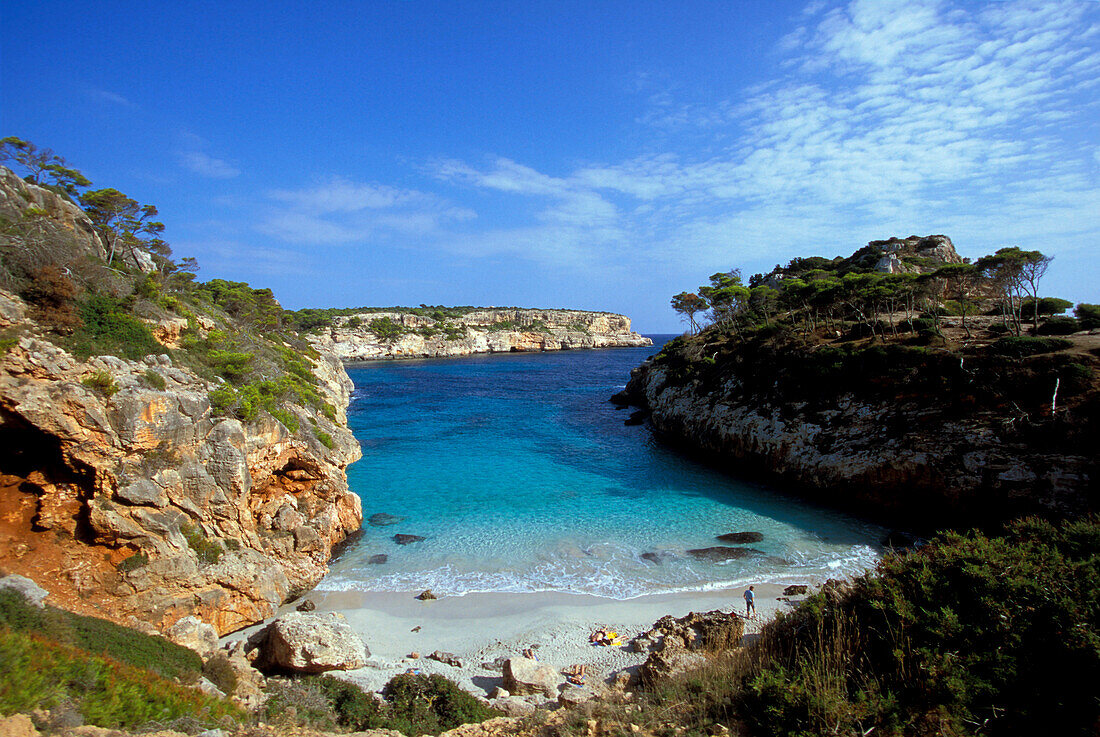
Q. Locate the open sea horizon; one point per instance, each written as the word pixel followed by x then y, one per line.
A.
pixel 521 476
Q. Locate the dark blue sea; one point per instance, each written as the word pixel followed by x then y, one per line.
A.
pixel 521 476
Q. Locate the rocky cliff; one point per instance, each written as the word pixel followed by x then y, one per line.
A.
pixel 384 335
pixel 123 491
pixel 927 422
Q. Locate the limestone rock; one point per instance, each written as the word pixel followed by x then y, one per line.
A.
pixel 32 592
pixel 193 633
pixel 17 725
pixel 426 595
pixel 307 605
pixel 313 643
pixel 576 695
pixel 446 658
pixel 524 676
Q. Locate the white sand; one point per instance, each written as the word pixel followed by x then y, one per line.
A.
pixel 479 628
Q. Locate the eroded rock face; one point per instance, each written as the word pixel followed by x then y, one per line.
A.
pixel 479 331
pixel 683 644
pixel 906 462
pixel 144 474
pixel 312 643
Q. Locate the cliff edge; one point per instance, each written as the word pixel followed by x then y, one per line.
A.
pixel 165 449
pixel 447 332
pixel 828 381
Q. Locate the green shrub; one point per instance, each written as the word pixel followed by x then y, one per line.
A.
pixel 1088 315
pixel 324 437
pixel 967 635
pixel 1060 325
pixel 208 551
pixel 109 330
pixel 289 420
pixel 100 637
pixel 353 322
pixel 385 328
pixel 135 561
pixel 219 671
pixel 154 380
pixel 1019 347
pixel 102 382
pixel 420 704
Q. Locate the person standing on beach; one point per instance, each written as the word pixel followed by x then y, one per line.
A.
pixel 750 603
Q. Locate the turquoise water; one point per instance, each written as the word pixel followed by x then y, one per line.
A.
pixel 521 476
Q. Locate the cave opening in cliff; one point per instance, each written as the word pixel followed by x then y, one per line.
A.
pixel 32 462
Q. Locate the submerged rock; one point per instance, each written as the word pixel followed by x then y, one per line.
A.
pixel 381 519
pixel 720 553
pixel 741 537
pixel 406 539
pixel 377 560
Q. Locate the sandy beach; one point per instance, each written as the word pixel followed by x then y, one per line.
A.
pixel 480 628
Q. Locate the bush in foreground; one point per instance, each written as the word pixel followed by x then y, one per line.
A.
pixel 968 635
pixel 412 704
pixel 111 675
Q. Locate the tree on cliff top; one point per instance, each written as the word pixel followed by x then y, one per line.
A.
pixel 689 304
pixel 41 163
pixel 123 221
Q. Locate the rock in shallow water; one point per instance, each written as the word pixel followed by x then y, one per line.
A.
pixel 720 553
pixel 377 560
pixel 741 537
pixel 381 519
pixel 406 539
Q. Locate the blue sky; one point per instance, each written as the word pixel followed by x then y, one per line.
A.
pixel 596 155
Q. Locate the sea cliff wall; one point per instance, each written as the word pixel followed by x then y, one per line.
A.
pixel 901 461
pixel 123 491
pixel 407 335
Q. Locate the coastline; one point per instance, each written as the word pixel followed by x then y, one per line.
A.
pixel 481 627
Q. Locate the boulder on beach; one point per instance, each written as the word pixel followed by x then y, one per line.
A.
pixel 426 595
pixel 306 606
pixel 194 634
pixel 401 539
pixel 446 658
pixel 381 519
pixel 684 641
pixel 741 537
pixel 377 560
pixel 312 643
pixel 720 553
pixel 524 676
pixel 795 589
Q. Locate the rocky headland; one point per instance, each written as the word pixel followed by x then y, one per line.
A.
pixel 380 335
pixel 164 484
pixel 937 423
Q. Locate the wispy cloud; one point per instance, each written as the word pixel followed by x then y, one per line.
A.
pixel 112 98
pixel 340 211
pixel 206 165
pixel 891 117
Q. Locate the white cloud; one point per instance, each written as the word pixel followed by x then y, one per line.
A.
pixel 895 117
pixel 340 211
pixel 207 166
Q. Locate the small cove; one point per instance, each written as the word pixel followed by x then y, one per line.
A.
pixel 521 477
